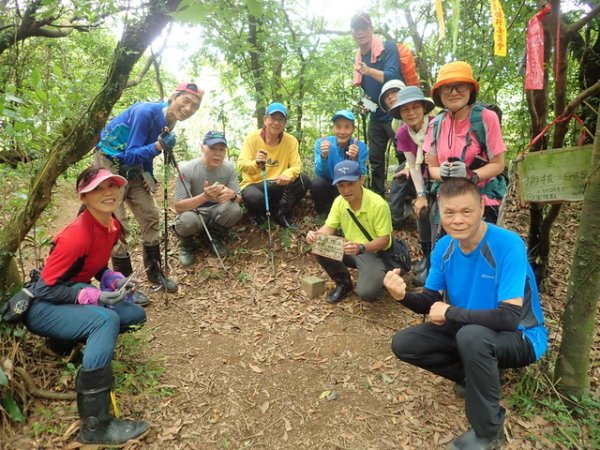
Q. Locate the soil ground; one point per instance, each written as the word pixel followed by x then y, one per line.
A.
pixel 251 362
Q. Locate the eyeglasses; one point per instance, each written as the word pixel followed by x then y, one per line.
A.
pixel 460 88
pixel 278 119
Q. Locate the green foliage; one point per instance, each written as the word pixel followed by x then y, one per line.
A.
pixel 574 423
pixel 244 277
pixel 12 408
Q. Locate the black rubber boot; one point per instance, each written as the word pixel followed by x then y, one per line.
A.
pixel 98 425
pixel 123 264
pixel 424 263
pixel 290 198
pixel 154 271
pixel 187 251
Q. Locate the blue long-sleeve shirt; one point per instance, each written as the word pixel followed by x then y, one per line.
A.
pixel 324 167
pixel 389 63
pixel 131 136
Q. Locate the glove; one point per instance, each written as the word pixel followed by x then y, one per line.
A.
pixel 445 170
pixel 130 284
pixel 458 169
pixel 167 140
pixel 112 298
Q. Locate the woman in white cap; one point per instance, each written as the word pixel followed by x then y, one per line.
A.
pixel 413 108
pixel 68 308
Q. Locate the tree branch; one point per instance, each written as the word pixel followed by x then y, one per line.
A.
pixel 576 26
pixel 589 92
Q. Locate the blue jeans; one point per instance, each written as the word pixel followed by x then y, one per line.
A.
pixel 98 326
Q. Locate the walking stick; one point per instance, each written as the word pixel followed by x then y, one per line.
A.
pixel 170 159
pixel 268 213
pixel 166 233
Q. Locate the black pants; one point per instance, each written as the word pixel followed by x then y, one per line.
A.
pixel 323 194
pixel 472 354
pixel 282 199
pixel 379 134
pixel 402 193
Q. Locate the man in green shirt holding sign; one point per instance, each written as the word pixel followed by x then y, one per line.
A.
pixel 356 205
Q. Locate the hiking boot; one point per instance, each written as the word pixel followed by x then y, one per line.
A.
pixel 187 255
pixel 139 298
pixel 460 389
pixel 256 220
pixel 218 246
pixel 154 271
pixel 340 292
pixel 123 264
pixel 470 441
pixel 420 266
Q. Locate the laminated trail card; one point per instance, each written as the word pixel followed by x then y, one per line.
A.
pixel 329 246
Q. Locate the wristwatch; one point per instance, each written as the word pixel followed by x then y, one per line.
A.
pixel 362 249
pixel 474 177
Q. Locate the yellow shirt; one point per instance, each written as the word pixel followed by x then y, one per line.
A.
pixel 282 158
pixel 374 215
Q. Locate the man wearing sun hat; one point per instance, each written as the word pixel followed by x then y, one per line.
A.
pixel 272 153
pixel 128 145
pixel 328 152
pixel 360 252
pixel 208 187
pixel 376 63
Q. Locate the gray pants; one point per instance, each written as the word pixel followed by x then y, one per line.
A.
pixel 142 205
pixel 223 215
pixel 371 272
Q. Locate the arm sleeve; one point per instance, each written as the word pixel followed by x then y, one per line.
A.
pixel 420 302
pixel 415 172
pixel 137 151
pixel 391 63
pixel 504 318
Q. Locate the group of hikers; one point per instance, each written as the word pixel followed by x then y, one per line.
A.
pixel 478 287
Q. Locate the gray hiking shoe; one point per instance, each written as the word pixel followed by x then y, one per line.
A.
pixel 470 441
pixel 187 256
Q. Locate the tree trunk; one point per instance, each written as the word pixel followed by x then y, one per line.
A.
pixel 256 68
pixel 81 134
pixel 579 317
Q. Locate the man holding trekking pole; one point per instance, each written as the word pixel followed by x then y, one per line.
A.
pixel 208 189
pixel 275 152
pixel 128 145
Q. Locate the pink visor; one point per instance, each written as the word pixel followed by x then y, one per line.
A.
pixel 192 88
pixel 101 175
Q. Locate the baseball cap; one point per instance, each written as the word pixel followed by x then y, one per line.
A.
pixel 188 86
pixel 361 19
pixel 88 185
pixel 276 108
pixel 346 170
pixel 214 137
pixel 345 113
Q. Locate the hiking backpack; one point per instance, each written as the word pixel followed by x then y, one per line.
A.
pixel 477 127
pixel 408 67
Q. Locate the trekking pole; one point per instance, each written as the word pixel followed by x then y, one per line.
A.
pixel 170 157
pixel 166 231
pixel 268 213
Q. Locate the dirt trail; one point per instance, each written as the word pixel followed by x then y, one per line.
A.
pixel 253 363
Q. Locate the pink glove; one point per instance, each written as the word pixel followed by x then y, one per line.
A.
pixel 88 296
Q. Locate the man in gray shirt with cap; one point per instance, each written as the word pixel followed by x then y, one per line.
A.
pixel 208 187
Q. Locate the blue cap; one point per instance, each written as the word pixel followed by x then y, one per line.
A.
pixel 345 113
pixel 276 108
pixel 347 170
pixel 214 137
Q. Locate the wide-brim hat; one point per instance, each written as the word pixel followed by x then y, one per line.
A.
pixel 408 95
pixel 392 84
pixel 455 72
